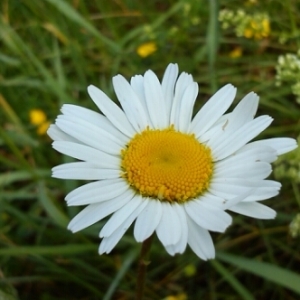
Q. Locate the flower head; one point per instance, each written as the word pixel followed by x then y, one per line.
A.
pixel 146 49
pixel 154 164
pixel 39 119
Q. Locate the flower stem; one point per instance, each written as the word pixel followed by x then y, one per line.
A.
pixel 142 268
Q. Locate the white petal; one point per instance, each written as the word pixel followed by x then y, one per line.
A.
pixel 200 240
pixel 137 84
pixel 131 104
pixel 224 145
pixel 111 111
pixel 123 218
pixel 210 219
pixel 253 170
pixel 182 84
pixel 86 153
pixel 97 191
pixel 110 240
pixel 186 107
pixel 250 153
pixel 231 187
pixel 254 210
pixel 94 118
pixel 83 171
pixel 180 246
pixel 168 84
pixel 169 229
pixel 89 135
pixel 58 135
pixel 148 220
pixel 155 101
pixel 243 112
pixel 212 110
pixel 281 145
pixel 100 127
pixel 217 203
pixel 96 212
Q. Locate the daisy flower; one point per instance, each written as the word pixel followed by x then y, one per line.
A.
pixel 152 163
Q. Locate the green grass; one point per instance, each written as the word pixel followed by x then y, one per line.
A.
pixel 50 51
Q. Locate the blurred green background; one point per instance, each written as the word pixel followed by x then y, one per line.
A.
pixel 50 51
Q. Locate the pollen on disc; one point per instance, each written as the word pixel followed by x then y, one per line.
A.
pixel 167 165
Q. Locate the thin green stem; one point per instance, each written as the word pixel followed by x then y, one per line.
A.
pixel 142 268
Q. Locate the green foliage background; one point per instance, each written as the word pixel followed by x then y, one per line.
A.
pixel 50 51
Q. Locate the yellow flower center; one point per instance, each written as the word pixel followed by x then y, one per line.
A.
pixel 167 165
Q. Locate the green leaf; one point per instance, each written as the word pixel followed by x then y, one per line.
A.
pixel 73 15
pixel 70 249
pixel 227 275
pixel 276 274
pixel 52 210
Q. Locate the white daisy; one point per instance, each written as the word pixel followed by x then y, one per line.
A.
pixel 151 163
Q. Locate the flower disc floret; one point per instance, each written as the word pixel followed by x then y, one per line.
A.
pixel 167 164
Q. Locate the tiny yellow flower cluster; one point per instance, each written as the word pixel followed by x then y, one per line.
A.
pixel 146 49
pixel 255 26
pixel 288 71
pixel 39 119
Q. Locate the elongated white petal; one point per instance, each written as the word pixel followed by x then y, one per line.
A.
pixel 281 145
pixel 100 128
pixel 200 240
pixel 111 111
pixel 180 246
pixel 225 145
pixel 253 170
pixel 250 153
pixel 168 86
pixel 83 171
pixel 87 154
pixel 95 118
pixel 254 210
pixel 182 84
pixel 148 220
pixel 97 191
pixel 155 101
pixel 216 203
pixel 87 134
pixel 243 113
pixel 96 212
pixel 131 104
pixel 121 220
pixel 212 110
pixel 169 229
pixel 58 135
pixel 231 187
pixel 137 84
pixel 186 107
pixel 210 219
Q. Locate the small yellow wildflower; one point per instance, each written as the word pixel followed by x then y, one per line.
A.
pixel 37 117
pixel 146 49
pixel 42 129
pixel 236 52
pixel 257 29
pixel 256 26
